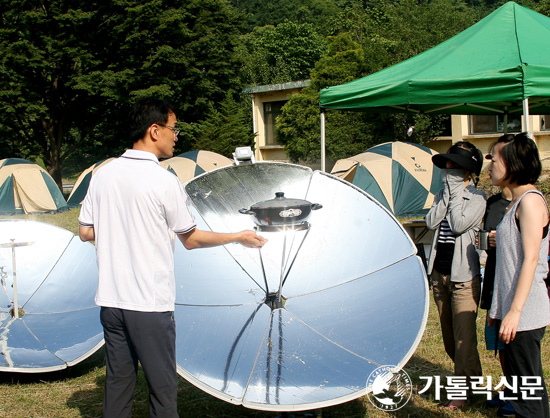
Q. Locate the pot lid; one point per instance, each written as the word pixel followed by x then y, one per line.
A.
pixel 280 202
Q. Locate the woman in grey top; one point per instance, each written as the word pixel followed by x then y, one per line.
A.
pixel 520 306
pixel 456 216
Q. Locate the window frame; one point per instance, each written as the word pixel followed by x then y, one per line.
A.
pixel 270 119
pixel 499 125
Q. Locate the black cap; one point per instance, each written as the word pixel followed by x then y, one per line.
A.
pixel 469 159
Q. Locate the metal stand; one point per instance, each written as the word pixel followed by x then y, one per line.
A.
pixel 276 300
pixel 13 245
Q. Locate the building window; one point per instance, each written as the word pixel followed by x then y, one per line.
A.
pixel 493 124
pixel 545 123
pixel 271 111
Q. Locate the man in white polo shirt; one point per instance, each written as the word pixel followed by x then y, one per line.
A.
pixel 133 210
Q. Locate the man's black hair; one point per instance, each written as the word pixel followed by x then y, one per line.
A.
pixel 145 113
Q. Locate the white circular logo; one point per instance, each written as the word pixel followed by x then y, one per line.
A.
pixel 389 388
pixel 290 213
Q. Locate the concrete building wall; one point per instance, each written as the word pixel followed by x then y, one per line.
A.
pixel 275 93
pixel 461 132
pixel 460 126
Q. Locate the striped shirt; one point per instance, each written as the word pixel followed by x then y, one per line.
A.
pixel 446 236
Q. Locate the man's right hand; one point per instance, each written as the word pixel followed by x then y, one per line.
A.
pixel 250 239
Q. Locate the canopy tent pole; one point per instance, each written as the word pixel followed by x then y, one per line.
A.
pixel 322 139
pixel 526 116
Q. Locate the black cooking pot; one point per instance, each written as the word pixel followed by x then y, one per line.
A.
pixel 281 211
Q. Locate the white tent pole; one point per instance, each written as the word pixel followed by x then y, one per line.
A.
pixel 526 117
pixel 322 140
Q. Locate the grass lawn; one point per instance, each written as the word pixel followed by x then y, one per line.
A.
pixel 77 391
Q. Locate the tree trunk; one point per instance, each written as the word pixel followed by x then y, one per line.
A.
pixel 52 153
pixel 54 169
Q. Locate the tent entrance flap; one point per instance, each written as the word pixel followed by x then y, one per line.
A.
pixel 28 192
pixel 7 200
pixel 345 169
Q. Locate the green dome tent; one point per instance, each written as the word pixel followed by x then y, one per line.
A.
pixel 185 166
pixel 192 163
pixel 26 187
pixel 80 188
pixel 400 175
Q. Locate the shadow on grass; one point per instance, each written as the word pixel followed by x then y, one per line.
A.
pixel 426 404
pixel 63 383
pixel 96 360
pixel 89 377
pixel 194 403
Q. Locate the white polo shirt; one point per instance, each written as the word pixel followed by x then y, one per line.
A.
pixel 136 207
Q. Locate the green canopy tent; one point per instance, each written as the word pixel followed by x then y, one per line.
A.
pixel 498 65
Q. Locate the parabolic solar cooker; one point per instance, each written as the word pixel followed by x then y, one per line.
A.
pixel 48 278
pixel 335 293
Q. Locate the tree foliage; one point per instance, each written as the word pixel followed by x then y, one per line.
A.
pixel 543 7
pixel 370 37
pixel 299 124
pixel 227 128
pixel 274 12
pixel 279 54
pixel 69 69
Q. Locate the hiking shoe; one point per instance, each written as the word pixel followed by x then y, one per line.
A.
pixel 506 410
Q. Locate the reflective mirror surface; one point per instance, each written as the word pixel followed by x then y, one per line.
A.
pixel 57 322
pixel 301 323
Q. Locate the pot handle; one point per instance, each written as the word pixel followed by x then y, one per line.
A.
pixel 315 206
pixel 246 212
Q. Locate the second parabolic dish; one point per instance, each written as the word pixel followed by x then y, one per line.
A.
pixel 48 318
